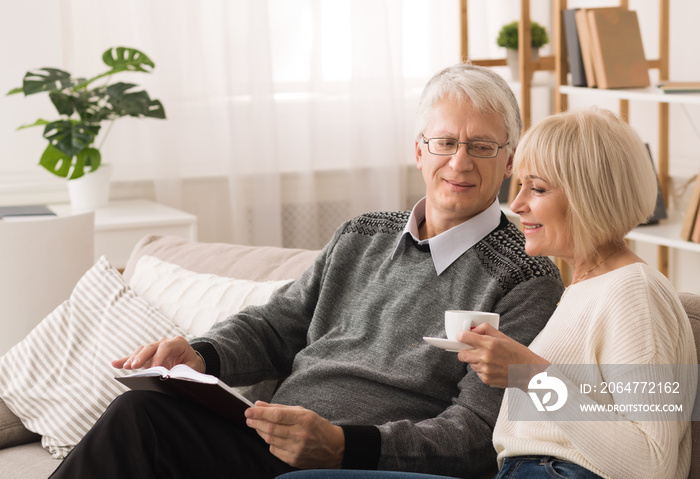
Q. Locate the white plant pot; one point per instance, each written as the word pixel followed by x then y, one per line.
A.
pixel 91 190
pixel 514 62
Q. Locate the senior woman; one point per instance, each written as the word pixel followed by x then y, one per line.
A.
pixel 586 182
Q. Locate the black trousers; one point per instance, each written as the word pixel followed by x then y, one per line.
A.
pixel 146 434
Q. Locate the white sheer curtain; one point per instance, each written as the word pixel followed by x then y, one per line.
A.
pixel 306 105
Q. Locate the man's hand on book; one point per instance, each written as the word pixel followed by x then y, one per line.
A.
pixel 297 436
pixel 166 353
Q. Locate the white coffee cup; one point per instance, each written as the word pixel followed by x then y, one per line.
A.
pixel 457 320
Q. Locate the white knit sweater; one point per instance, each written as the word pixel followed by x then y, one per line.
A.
pixel 631 315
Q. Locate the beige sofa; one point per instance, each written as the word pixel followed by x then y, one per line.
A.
pixel 21 455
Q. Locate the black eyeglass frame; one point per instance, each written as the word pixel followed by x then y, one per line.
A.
pixel 466 143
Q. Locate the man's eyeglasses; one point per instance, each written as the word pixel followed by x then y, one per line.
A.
pixel 476 148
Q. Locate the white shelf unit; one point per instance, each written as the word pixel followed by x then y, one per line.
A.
pixel 649 94
pixel 666 233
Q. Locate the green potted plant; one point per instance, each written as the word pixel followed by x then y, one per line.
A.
pixel 508 38
pixel 83 105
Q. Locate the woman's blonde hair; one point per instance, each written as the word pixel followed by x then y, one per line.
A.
pixel 603 167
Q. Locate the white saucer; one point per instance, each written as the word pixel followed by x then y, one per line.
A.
pixel 447 344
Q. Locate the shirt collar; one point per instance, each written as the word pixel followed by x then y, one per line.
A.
pixel 449 245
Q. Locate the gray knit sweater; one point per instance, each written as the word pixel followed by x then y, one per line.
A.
pixel 348 336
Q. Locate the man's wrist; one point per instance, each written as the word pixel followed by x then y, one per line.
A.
pixel 337 448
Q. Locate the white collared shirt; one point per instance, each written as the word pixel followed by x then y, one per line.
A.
pixel 449 245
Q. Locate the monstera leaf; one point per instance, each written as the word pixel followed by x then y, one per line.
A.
pixel 56 161
pixel 70 137
pixel 39 122
pixel 122 59
pixel 64 102
pixel 43 79
pixel 136 103
pixel 86 157
pixel 60 164
pixel 93 107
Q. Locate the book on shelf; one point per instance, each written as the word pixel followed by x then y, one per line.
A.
pixel 183 381
pixel 695 235
pixel 679 86
pixel 585 45
pixel 691 212
pixel 585 42
pixel 616 48
pixel 21 212
pixel 573 47
pixel 660 208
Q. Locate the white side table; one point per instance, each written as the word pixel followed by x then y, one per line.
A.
pixel 121 224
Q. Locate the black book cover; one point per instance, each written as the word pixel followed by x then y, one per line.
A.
pixel 573 48
pixel 215 396
pixel 660 209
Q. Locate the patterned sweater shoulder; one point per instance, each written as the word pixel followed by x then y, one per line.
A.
pixel 502 253
pixel 370 224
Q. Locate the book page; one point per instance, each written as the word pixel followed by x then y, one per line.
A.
pixel 179 371
pixel 182 371
pixel 154 371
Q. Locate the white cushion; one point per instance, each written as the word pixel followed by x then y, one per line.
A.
pixel 196 301
pixel 59 380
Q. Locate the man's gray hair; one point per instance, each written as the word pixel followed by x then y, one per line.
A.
pixel 487 91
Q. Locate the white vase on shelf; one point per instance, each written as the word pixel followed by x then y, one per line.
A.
pixel 514 62
pixel 91 190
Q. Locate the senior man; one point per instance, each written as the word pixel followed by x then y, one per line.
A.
pixel 360 388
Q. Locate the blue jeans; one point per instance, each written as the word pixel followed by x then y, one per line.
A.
pixel 542 467
pixel 546 467
pixel 350 474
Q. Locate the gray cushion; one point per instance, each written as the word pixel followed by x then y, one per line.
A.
pixel 12 432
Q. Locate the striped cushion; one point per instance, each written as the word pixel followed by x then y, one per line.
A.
pixel 58 380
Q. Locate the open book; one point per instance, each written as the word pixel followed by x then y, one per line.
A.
pixel 183 381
